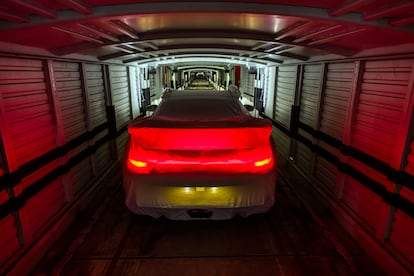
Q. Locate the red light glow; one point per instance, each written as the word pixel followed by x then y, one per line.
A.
pixel 201 138
pixel 206 151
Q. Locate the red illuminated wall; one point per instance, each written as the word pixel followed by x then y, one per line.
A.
pixel 354 124
pixel 355 145
pixel 55 136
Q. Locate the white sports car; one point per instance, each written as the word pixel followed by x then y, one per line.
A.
pixel 201 155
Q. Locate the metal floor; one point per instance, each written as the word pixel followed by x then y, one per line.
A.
pixel 286 241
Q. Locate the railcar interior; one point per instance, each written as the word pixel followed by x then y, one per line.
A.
pixel 334 79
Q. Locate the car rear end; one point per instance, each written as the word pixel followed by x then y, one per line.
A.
pixel 185 170
pixel 201 155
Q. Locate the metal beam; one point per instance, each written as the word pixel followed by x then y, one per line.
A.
pixel 79 35
pixel 77 5
pixel 151 45
pixel 348 6
pixel 294 56
pixel 35 8
pixel 209 48
pixel 124 28
pixel 283 49
pixel 139 49
pixel 126 49
pixel 201 57
pixel 293 29
pixel 327 48
pixel 402 21
pixel 260 37
pixel 335 36
pixel 114 55
pixel 10 16
pixel 310 13
pixel 188 67
pixel 274 48
pixel 99 32
pixel 313 34
pixel 395 8
pixel 76 48
pixel 223 33
pixel 262 45
pixel 147 38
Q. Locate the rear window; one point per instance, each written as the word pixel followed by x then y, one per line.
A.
pixel 200 109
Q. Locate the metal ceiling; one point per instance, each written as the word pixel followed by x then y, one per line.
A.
pixel 257 31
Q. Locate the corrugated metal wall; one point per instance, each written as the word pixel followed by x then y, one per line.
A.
pixel 96 94
pixel 354 118
pixel 308 113
pixel 310 91
pixel 120 94
pixel 247 85
pixel 26 111
pixel 55 140
pixel 334 111
pixel 97 103
pixel 336 97
pixel 380 107
pixel 70 96
pixel 285 94
pixel 74 122
pixel 28 132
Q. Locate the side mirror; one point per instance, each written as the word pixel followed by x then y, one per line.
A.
pixel 151 107
pixel 249 107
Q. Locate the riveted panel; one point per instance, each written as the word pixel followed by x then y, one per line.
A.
pixel 71 103
pixel 380 107
pixel 247 86
pixel 96 94
pixel 336 96
pixel 285 94
pixel 309 96
pixel 28 116
pixel 120 94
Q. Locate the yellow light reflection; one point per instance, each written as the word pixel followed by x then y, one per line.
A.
pixel 262 162
pixel 139 164
pixel 225 196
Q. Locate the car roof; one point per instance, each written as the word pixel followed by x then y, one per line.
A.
pixel 204 94
pixel 199 105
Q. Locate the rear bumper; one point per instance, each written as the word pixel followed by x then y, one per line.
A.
pixel 224 196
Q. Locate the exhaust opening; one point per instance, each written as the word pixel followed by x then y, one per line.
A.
pixel 199 213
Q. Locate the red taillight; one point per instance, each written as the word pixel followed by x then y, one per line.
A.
pixel 242 150
pixel 241 161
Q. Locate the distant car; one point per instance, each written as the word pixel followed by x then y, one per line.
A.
pixel 200 155
pixel 200 75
